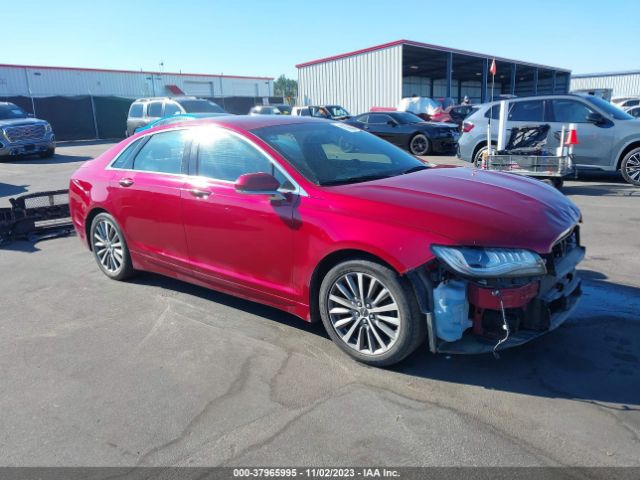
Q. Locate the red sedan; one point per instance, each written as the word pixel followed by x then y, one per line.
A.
pixel 330 223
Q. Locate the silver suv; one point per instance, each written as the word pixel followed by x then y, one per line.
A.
pixel 609 138
pixel 146 110
pixel 22 134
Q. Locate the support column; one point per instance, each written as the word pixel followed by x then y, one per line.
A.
pixel 449 73
pixel 535 81
pixel 514 74
pixel 553 82
pixel 484 96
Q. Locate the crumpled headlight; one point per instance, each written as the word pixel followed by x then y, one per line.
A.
pixel 491 262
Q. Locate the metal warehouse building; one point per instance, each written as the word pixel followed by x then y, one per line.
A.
pixel 23 80
pixel 383 74
pixel 620 84
pixel 86 103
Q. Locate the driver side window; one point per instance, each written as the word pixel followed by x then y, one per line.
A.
pixel 223 156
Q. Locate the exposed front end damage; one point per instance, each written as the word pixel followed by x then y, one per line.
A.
pixel 490 314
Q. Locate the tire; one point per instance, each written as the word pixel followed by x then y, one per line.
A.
pixel 630 167
pixel 419 145
pixel 477 158
pixel 557 182
pixel 377 338
pixel 47 153
pixel 105 234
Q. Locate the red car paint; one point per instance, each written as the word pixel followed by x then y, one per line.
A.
pixel 268 251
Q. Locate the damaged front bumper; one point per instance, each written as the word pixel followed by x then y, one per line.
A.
pixel 530 309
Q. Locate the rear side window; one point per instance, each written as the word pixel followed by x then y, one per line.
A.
pixel 529 111
pixel 362 118
pixel 223 156
pixel 171 108
pixel 125 159
pixel 569 111
pixel 135 111
pixel 377 118
pixel 163 153
pixel 494 113
pixel 305 112
pixel 154 109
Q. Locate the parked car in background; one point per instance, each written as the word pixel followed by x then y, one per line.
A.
pixel 23 134
pixel 634 111
pixel 146 110
pixel 409 131
pixel 381 248
pixel 284 108
pixel 181 117
pixel 332 112
pixel 609 137
pixel 626 102
pixel 265 110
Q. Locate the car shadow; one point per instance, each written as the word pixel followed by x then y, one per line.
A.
pixel 594 357
pixel 35 160
pixel 270 313
pixel 9 190
pixel 600 184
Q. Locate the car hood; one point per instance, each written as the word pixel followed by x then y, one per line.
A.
pixel 20 121
pixel 469 207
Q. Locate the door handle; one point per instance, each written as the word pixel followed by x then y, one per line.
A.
pixel 198 193
pixel 126 182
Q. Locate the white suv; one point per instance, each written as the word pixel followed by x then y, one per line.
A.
pixel 146 110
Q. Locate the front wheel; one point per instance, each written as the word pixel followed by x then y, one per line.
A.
pixel 48 153
pixel 370 312
pixel 110 248
pixel 419 145
pixel 630 167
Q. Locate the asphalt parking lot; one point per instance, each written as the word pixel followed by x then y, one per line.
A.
pixel 159 372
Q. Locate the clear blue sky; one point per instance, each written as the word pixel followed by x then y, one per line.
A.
pixel 261 37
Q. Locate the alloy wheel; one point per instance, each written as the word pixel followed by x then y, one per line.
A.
pixel 108 246
pixel 419 145
pixel 632 167
pixel 364 313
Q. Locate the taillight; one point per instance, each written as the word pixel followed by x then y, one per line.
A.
pixel 467 127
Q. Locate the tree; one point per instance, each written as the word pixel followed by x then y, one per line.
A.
pixel 286 87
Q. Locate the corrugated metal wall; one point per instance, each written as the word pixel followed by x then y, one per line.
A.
pixel 43 82
pixel 622 84
pixel 358 82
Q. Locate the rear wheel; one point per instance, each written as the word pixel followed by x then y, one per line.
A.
pixel 419 145
pixel 477 159
pixel 630 167
pixel 110 248
pixel 370 312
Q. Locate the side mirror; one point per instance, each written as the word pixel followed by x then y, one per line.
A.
pixel 596 118
pixel 259 184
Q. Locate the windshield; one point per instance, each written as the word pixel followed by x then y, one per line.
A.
pixel 611 110
pixel 200 106
pixel 332 153
pixel 406 117
pixel 337 111
pixel 10 111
